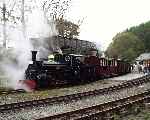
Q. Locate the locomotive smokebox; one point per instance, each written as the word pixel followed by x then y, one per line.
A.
pixel 34 55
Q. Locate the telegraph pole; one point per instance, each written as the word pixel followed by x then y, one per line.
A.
pixel 4 25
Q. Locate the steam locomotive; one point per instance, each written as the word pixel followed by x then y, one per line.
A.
pixel 72 69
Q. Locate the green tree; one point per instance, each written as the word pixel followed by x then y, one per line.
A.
pixel 142 31
pixel 125 46
pixel 67 28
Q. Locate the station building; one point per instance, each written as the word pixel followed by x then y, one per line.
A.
pixel 144 59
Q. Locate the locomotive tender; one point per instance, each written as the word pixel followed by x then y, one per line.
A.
pixel 70 69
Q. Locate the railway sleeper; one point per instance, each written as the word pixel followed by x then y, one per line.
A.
pixel 60 98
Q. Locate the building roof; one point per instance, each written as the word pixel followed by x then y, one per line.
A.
pixel 143 56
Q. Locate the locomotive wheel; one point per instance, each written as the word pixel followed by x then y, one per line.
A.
pixel 57 79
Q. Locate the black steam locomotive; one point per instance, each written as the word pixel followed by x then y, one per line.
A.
pixel 70 69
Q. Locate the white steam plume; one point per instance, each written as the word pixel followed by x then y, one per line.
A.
pixel 15 64
pixel 42 29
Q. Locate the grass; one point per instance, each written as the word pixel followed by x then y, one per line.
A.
pixel 143 115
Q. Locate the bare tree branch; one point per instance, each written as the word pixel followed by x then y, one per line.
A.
pixel 55 9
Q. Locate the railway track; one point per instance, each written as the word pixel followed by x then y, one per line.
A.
pixel 67 98
pixel 98 112
pixel 7 92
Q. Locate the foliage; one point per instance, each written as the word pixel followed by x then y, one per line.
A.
pixel 14 9
pixel 130 43
pixel 116 117
pixel 125 46
pixel 147 116
pixel 67 28
pixel 143 33
pixel 55 8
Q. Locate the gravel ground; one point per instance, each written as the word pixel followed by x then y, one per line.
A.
pixel 42 111
pixel 129 76
pixel 11 98
pixel 5 99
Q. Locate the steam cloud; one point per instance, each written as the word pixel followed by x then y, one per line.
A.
pixel 16 59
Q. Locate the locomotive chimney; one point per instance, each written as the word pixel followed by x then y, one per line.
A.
pixel 34 55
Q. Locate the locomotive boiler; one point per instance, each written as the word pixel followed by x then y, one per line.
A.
pixel 70 69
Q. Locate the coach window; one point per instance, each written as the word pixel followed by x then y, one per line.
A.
pixel 115 62
pixel 104 62
pixel 112 62
pixel 100 62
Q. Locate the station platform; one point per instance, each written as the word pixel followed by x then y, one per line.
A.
pixel 127 77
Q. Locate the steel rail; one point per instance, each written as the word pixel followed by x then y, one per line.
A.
pixel 68 98
pixel 7 92
pixel 90 112
pixel 131 82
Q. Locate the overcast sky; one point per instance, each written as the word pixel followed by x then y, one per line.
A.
pixel 105 18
